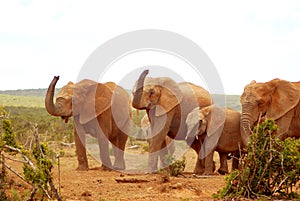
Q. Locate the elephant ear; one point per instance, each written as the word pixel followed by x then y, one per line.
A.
pixel 284 98
pixel 192 123
pixel 97 100
pixel 170 96
pixel 80 90
pixel 216 119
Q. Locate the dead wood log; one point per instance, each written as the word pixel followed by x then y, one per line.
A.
pixel 131 180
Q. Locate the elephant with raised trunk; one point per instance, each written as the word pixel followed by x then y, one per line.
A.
pixel 101 110
pixel 215 134
pixel 276 99
pixel 167 104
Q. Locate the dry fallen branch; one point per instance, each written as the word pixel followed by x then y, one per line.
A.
pixel 131 180
pixel 16 173
pixel 23 155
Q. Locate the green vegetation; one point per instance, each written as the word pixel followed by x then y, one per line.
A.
pixel 24 101
pixel 36 162
pixel 175 167
pixel 51 128
pixel 25 98
pixel 271 168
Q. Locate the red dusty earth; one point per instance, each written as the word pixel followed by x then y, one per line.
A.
pixel 98 184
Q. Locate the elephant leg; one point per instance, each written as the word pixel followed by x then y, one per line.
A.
pixel 163 155
pixel 154 151
pixel 171 146
pixel 223 164
pixel 159 129
pixel 199 167
pixel 80 151
pixel 119 143
pixel 209 164
pixel 235 161
pixel 104 152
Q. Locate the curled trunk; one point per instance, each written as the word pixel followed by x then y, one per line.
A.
pixel 52 108
pixel 139 90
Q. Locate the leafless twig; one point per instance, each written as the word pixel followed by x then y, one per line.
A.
pixel 53 189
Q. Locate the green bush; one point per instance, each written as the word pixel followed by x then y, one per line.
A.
pixel 175 167
pixel 271 168
pixel 52 128
pixel 36 167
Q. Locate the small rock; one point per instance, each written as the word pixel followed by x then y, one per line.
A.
pixel 177 186
pixel 163 189
pixel 86 193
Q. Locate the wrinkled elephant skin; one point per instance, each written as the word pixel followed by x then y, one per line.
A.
pixel 167 104
pixel 215 134
pixel 101 110
pixel 276 99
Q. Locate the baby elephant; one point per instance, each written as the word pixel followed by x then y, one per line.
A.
pixel 216 129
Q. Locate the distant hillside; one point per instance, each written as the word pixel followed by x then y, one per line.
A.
pixel 35 98
pixel 22 101
pixel 232 101
pixel 23 98
pixel 25 92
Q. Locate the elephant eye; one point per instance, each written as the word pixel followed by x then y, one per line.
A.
pixel 151 92
pixel 259 102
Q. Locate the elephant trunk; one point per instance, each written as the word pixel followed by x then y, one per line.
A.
pixel 139 90
pixel 246 123
pixel 192 134
pixel 53 109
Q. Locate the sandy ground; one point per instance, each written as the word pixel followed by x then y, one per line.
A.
pixel 99 184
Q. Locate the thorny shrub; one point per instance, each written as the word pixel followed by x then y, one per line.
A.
pixel 271 168
pixel 36 167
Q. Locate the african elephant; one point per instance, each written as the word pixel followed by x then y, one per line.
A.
pixel 145 126
pixel 167 104
pixel 276 99
pixel 100 110
pixel 215 134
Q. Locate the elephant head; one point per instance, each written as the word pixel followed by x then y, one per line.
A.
pixel 74 99
pixel 274 99
pixel 161 93
pixel 206 123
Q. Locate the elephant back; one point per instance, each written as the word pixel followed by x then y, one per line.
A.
pixel 194 96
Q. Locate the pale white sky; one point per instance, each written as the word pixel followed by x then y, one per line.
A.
pixel 253 40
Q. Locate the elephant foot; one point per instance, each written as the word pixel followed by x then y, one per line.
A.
pixel 222 172
pixel 208 173
pixel 199 169
pixel 198 172
pixel 82 168
pixel 119 167
pixel 105 168
pixel 151 170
